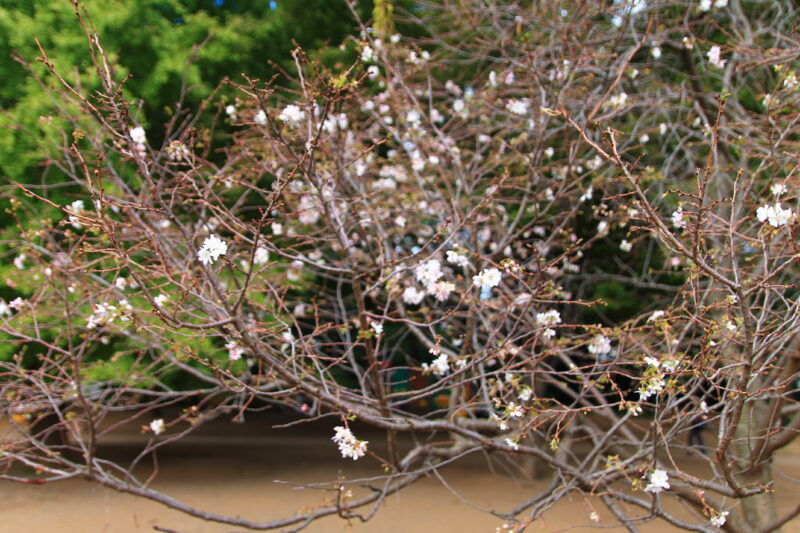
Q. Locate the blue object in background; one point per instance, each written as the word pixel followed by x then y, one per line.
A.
pixel 606 357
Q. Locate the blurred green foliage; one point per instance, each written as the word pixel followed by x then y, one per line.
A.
pixel 153 42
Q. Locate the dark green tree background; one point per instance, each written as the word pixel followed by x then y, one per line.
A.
pixel 152 42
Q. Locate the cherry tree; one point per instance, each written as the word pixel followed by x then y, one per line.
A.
pixel 574 222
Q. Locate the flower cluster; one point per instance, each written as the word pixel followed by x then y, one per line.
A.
pixel 776 215
pixel 441 290
pixel 679 219
pixel 177 151
pixel 103 314
pixel 547 319
pixel 600 346
pixel 778 189
pixel 658 481
pixel 651 386
pixel 17 304
pixel 429 272
pixel 413 296
pixel 457 259
pixel 718 518
pixel 349 445
pixel 440 365
pixel 235 350
pixel 706 5
pixel 157 426
pixel 519 107
pixel 487 278
pixel 655 381
pixel 213 247
pixel 139 139
pixel 617 101
pixel 76 207
pixel 261 256
pixel 291 114
pixel 714 57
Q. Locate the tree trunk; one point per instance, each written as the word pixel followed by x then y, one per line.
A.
pixel 758 511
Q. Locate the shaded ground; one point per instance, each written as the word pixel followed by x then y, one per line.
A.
pixel 230 469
